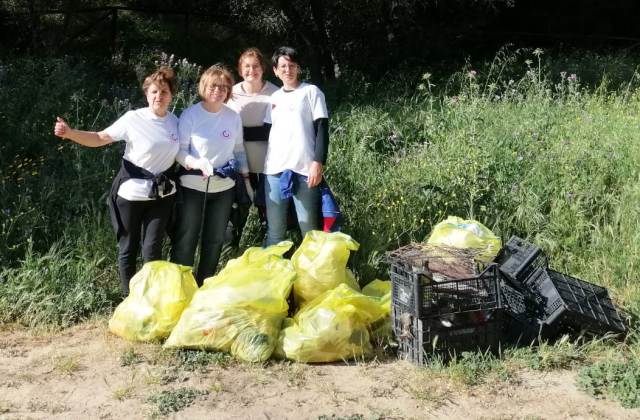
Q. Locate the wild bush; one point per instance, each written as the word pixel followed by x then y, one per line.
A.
pixel 615 379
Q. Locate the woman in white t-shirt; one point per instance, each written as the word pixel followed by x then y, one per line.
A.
pixel 142 194
pixel 297 151
pixel 210 145
pixel 250 99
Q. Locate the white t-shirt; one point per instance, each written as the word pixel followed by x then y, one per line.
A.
pixel 216 136
pixel 292 138
pixel 252 108
pixel 151 143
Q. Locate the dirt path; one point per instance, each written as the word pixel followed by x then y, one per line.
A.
pixel 86 373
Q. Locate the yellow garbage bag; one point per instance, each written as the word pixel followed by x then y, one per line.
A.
pixel 459 233
pixel 320 263
pixel 334 326
pixel 241 309
pixel 381 329
pixel 158 294
pixel 378 288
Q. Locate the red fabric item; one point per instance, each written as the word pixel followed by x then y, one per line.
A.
pixel 328 223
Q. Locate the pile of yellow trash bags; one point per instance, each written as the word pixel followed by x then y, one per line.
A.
pixel 243 309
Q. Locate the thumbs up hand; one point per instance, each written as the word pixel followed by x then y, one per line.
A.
pixel 61 128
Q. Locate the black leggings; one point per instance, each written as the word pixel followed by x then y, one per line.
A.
pixel 146 220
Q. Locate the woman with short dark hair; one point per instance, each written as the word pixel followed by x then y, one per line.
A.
pixel 298 146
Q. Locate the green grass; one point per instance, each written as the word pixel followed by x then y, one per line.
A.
pixel 196 360
pixel 70 282
pixel 562 354
pixel 130 357
pixel 469 368
pixel 171 401
pixel 613 378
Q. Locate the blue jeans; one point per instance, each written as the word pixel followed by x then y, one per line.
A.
pixel 306 201
pixel 185 237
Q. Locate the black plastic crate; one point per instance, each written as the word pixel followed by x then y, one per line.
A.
pixel 525 311
pixel 572 304
pixel 521 304
pixel 449 335
pixel 405 287
pixel 518 259
pixel 414 293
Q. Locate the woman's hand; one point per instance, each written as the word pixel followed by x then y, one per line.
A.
pixel 249 188
pixel 205 166
pixel 61 128
pixel 315 174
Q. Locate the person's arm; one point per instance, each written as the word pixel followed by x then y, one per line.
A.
pixel 183 157
pixel 321 148
pixel 239 151
pixel 85 138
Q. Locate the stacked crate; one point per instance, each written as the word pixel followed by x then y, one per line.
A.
pixel 442 305
pixel 565 304
pixel 461 310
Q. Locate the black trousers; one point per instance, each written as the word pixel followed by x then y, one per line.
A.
pixel 187 235
pixel 144 221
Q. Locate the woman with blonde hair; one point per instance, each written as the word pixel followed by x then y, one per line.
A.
pixel 213 155
pixel 142 194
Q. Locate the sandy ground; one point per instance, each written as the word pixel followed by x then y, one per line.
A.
pixel 78 373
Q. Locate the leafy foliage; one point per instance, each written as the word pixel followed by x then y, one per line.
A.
pixel 171 401
pixel 196 360
pixel 616 379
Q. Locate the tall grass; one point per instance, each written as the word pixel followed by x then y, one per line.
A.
pixel 519 143
pixel 536 155
pixel 70 282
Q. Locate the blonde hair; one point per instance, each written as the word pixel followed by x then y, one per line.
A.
pixel 255 53
pixel 215 72
pixel 164 75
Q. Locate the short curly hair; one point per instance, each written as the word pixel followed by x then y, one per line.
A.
pixel 163 75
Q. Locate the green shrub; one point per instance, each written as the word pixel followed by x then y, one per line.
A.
pixel 199 360
pixel 171 401
pixel 615 379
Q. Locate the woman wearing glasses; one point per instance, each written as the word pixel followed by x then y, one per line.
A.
pixel 212 153
pixel 297 151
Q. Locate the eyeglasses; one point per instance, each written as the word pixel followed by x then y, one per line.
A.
pixel 213 87
pixel 285 66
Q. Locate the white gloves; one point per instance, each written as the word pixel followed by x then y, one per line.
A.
pixel 205 166
pixel 202 163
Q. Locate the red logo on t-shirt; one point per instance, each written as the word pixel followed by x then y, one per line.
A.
pixel 273 106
